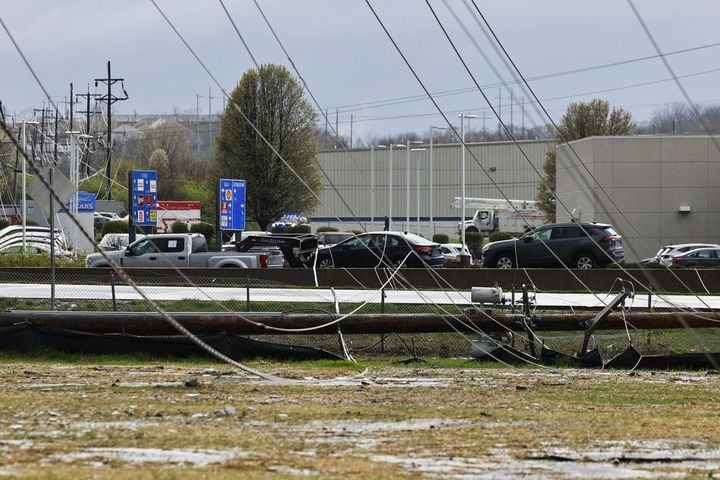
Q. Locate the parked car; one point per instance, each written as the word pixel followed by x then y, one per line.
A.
pixel 176 250
pixel 374 249
pixel 666 253
pixel 328 239
pixel 699 257
pixel 110 215
pixel 288 220
pixel 117 241
pixel 569 242
pixel 13 235
pixel 275 257
pixel 450 251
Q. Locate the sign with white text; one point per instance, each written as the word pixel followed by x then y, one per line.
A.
pixel 231 204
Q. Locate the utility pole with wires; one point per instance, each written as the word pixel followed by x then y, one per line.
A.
pixel 499 114
pixel 197 123
pixel 72 97
pixel 210 123
pixel 109 98
pixel 88 119
pixel 512 127
pixel 325 139
pixel 42 112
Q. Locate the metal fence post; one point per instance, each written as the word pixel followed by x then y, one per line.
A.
pixel 512 298
pixel 112 287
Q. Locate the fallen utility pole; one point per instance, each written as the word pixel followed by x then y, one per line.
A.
pixel 153 323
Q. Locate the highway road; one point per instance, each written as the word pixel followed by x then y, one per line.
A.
pixel 343 296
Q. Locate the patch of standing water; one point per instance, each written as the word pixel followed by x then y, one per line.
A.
pixel 197 458
pixel 608 460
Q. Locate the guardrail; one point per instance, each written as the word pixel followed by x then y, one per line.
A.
pixel 659 280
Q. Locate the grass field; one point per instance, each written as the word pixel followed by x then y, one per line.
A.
pixel 68 417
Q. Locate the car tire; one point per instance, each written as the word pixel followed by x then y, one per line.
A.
pixel 504 261
pixel 472 230
pixel 325 262
pixel 585 261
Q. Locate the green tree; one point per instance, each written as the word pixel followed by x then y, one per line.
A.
pixel 175 165
pixel 273 102
pixel 167 186
pixel 581 120
pixel 179 227
pixel 546 190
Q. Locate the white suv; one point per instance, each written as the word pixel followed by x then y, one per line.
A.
pixel 665 255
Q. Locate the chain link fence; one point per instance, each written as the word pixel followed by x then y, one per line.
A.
pixel 73 291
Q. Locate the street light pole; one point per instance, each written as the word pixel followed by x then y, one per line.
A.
pixel 463 258
pixel 24 173
pixel 372 179
pixel 407 183
pixel 432 206
pixel 372 183
pixel 417 170
pixel 390 184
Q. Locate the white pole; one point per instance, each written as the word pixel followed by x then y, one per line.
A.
pixel 74 173
pixel 463 116
pixel 432 221
pixel 432 206
pixel 24 202
pixel 417 169
pixel 407 188
pixel 462 183
pixel 390 188
pixel 372 183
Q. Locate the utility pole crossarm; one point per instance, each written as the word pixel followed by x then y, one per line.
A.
pixel 109 99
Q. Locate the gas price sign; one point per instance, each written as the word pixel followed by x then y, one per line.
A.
pixel 143 190
pixel 232 204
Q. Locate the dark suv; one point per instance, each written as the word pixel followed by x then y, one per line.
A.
pixel 566 241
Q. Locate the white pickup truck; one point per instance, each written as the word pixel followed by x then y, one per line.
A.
pixel 176 251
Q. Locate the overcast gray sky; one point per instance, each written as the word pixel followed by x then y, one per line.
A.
pixel 346 58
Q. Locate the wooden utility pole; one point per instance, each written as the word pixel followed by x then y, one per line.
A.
pixel 109 98
pixel 88 117
pixel 210 122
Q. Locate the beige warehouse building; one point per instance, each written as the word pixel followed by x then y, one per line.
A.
pixel 655 190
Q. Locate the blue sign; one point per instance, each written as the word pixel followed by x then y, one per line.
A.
pixel 85 202
pixel 231 204
pixel 143 190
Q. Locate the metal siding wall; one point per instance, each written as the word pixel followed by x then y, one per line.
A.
pixel 350 173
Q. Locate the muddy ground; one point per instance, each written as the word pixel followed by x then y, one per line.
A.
pixel 205 420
